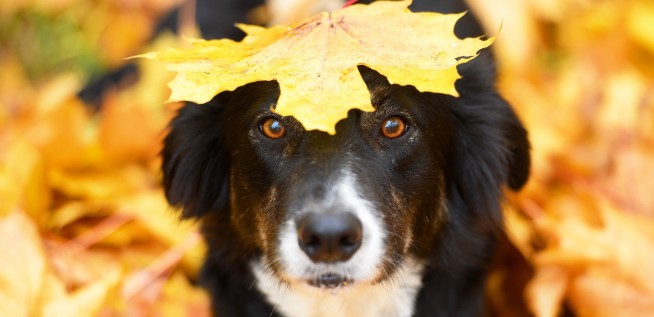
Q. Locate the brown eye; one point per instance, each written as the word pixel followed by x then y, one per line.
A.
pixel 393 127
pixel 272 128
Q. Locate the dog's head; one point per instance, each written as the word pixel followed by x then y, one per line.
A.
pixel 329 210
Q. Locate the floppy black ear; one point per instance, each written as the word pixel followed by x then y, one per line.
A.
pixel 519 160
pixel 488 113
pixel 492 149
pixel 195 162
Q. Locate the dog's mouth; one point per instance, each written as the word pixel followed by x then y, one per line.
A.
pixel 330 281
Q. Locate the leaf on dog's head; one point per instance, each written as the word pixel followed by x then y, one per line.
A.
pixel 315 62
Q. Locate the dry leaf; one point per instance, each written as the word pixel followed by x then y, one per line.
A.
pixel 181 298
pixel 15 89
pixel 152 211
pixel 626 182
pixel 120 119
pixel 106 183
pixel 315 62
pixel 639 23
pixel 23 267
pixel 59 124
pixel 545 292
pixel 28 286
pixel 86 301
pixel 77 268
pixel 125 34
pixel 603 293
pixel 23 181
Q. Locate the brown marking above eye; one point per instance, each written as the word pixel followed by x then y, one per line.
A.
pixel 393 127
pixel 272 128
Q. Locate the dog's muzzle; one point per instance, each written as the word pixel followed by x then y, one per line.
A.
pixel 332 239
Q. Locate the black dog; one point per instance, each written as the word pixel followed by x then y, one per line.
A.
pixel 395 215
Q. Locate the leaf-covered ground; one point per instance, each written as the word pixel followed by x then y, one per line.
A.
pixel 85 230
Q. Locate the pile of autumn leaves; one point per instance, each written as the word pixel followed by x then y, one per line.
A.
pixel 84 227
pixel 85 230
pixel 580 75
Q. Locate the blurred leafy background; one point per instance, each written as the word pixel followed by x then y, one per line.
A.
pixel 85 229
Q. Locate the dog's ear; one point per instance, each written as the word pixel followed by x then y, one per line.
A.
pixel 492 149
pixel 494 117
pixel 519 159
pixel 195 162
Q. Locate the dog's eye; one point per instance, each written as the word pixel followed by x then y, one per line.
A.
pixel 272 128
pixel 393 127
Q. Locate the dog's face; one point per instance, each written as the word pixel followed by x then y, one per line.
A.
pixel 329 210
pixel 354 207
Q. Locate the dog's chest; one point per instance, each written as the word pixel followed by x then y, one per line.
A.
pixel 393 298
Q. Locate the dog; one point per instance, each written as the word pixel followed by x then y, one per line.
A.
pixel 397 214
pixel 394 215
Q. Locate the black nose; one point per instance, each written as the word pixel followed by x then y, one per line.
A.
pixel 329 237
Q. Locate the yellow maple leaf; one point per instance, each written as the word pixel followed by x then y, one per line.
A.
pixel 315 62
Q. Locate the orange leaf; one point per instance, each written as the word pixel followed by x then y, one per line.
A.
pixel 23 267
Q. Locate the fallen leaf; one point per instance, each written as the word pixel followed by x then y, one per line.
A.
pixel 59 125
pixel 124 35
pixel 152 211
pixel 86 301
pixel 630 162
pixel 546 290
pixel 76 269
pixel 164 263
pixel 315 62
pixel 601 292
pixel 105 183
pixel 15 88
pixel 621 106
pixel 181 298
pixel 576 243
pixel 23 267
pixel 72 211
pixel 120 120
pixel 29 286
pixel 23 182
pixel 640 15
pixel 519 231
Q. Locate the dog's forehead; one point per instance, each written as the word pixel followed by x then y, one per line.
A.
pixel 262 97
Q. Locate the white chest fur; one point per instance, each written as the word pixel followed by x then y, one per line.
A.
pixel 393 298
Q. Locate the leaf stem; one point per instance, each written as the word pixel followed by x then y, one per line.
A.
pixel 349 3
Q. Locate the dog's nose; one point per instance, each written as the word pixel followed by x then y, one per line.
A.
pixel 332 237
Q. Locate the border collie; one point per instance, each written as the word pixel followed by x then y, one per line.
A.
pixel 397 214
